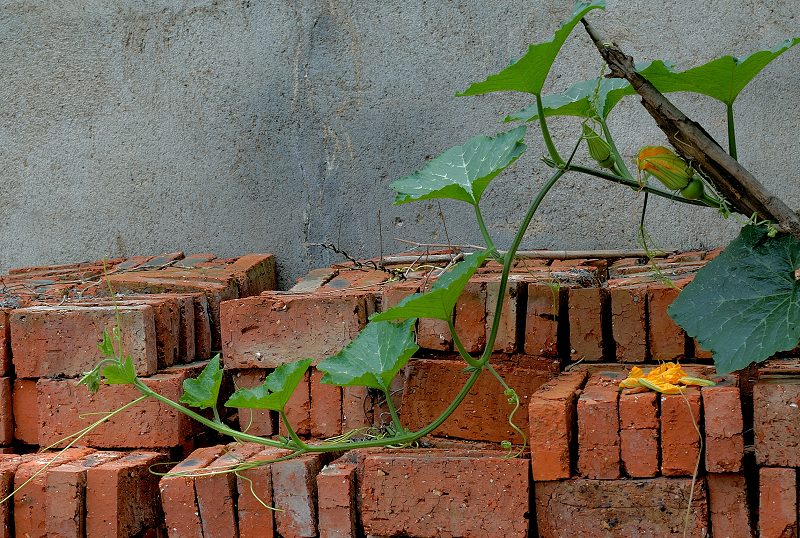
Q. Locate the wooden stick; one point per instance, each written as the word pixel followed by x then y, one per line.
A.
pixel 739 187
pixel 534 255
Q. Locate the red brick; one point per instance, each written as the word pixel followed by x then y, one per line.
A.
pixel 216 493
pixel 336 494
pixel 298 409
pixel 254 487
pixel 470 317
pixel 551 416
pixel 654 507
pixel 727 502
pixel 149 424
pixel 357 409
pixel 254 421
pixel 275 328
pixel 356 278
pixel 723 427
pixel 598 429
pixel 326 408
pixel 202 327
pixel 122 496
pixel 26 411
pixel 776 410
pixel 667 340
pixel 700 353
pixel 31 500
pixel 180 281
pixel 6 412
pixel 255 273
pixel 586 319
pixel 395 292
pixel 66 494
pixel 629 323
pixel 294 492
pixel 680 442
pixel 433 333
pixel 431 385
pixel 50 341
pixel 178 498
pixel 639 429
pixel 8 467
pixel 437 493
pixel 5 343
pixel 777 502
pixel 510 332
pixel 547 303
pixel 167 321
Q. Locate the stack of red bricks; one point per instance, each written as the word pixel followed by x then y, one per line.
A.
pixel 625 459
pixel 168 309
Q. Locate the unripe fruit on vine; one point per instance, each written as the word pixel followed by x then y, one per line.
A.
pixel 694 190
pixel 665 166
pixel 599 149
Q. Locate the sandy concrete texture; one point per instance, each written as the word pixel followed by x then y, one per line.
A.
pixel 235 125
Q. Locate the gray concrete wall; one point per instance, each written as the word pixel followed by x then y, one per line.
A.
pixel 133 127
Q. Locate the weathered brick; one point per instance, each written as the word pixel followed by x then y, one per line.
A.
pixel 470 316
pixel 294 492
pixel 254 421
pixel 26 411
pixel 680 442
pixel 6 412
pixel 62 404
pixel 551 415
pixel 326 407
pixel 178 498
pixel 202 327
pixel 639 432
pixel 777 502
pixel 586 320
pixel 50 341
pixel 652 507
pixel 298 409
pixel 31 500
pixel 254 487
pixel 727 502
pixel 511 329
pixel 5 343
pixel 629 323
pixel 667 340
pixel 336 494
pixel 357 411
pixel 723 427
pixel 545 319
pixel 66 494
pixel 167 319
pixel 122 496
pixel 776 410
pixel 180 281
pixel 8 467
pixel 216 493
pixel 598 429
pixel 275 328
pixel 433 493
pixel 431 385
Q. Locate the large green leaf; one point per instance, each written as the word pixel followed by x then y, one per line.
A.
pixel 744 306
pixel 438 303
pixel 529 72
pixel 374 357
pixel 275 391
pixel 120 372
pixel 203 391
pixel 463 172
pixel 579 100
pixel 723 78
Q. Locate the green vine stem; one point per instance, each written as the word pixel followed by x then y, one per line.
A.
pixel 398 425
pixel 292 434
pixel 548 140
pixel 622 168
pixel 731 131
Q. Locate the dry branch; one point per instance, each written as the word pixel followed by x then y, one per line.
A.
pixel 741 189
